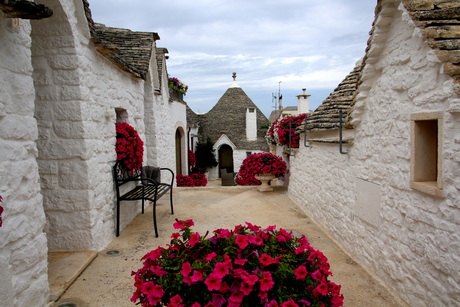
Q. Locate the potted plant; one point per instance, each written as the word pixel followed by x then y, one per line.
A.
pixel 177 85
pixel 283 131
pixel 259 169
pixel 246 266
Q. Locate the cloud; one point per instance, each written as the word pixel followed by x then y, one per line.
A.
pixel 302 43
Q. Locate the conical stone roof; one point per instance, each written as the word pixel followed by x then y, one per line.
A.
pixel 228 117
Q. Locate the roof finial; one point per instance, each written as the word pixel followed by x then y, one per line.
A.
pixel 234 84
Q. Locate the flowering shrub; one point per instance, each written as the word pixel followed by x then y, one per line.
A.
pixel 246 266
pixel 177 85
pixel 129 146
pixel 1 211
pixel 199 180
pixel 184 181
pixel 259 163
pixel 194 180
pixel 284 128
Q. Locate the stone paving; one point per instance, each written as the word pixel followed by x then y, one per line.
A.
pixel 107 281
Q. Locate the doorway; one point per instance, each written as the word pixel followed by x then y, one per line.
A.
pixel 225 159
pixel 178 152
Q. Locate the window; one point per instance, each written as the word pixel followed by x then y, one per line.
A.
pixel 122 115
pixel 426 162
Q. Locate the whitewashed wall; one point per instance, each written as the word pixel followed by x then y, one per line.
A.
pixel 77 93
pixel 409 239
pixel 23 247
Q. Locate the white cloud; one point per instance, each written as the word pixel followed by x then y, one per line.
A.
pixel 303 43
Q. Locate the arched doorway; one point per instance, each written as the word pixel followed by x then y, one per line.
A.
pixel 178 152
pixel 225 159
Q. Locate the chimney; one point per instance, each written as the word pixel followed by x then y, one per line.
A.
pixel 303 105
pixel 251 124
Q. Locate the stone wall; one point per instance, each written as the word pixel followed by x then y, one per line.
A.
pixel 23 247
pixel 78 92
pixel 408 239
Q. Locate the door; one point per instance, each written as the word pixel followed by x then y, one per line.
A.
pixel 178 152
pixel 225 159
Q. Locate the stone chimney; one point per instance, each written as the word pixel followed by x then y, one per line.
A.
pixel 303 105
pixel 251 124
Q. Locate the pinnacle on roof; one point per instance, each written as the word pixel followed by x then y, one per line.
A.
pixel 234 84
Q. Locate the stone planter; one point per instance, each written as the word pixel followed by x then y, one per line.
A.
pixel 265 179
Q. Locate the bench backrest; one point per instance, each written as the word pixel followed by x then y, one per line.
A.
pixel 122 174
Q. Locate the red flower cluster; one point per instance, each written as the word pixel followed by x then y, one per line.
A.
pixel 284 128
pixel 246 266
pixel 259 163
pixel 129 146
pixel 1 211
pixel 194 180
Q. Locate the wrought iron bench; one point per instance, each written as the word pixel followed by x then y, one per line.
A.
pixel 146 189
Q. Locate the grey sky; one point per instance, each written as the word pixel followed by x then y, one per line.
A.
pixel 302 43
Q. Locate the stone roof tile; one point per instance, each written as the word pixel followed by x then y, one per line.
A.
pixel 228 117
pixel 440 22
pixel 129 50
pixel 326 116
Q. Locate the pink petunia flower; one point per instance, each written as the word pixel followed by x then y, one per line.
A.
pixel 175 236
pixel 213 282
pixel 236 298
pixel 266 283
pixel 197 276
pixel 281 238
pixel 252 227
pixel 211 256
pixel 240 261
pixel 175 301
pixel 300 272
pixel 256 240
pixel 251 279
pixel 158 270
pixel 218 299
pixel 321 289
pixel 186 269
pixel 317 275
pixel 241 241
pixel 289 303
pixel 221 269
pixel 194 239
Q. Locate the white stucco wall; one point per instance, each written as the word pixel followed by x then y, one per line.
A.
pixel 408 239
pixel 23 247
pixel 77 93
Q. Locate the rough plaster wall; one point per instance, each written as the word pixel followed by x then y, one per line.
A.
pixel 23 247
pixel 77 93
pixel 177 111
pixel 165 117
pixel 415 248
pixel 108 88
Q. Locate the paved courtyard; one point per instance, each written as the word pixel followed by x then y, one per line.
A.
pixel 107 281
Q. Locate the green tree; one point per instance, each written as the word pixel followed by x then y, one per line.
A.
pixel 205 157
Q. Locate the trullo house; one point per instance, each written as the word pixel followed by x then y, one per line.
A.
pixel 65 82
pixel 386 182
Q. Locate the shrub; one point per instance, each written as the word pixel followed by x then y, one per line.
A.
pixel 246 266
